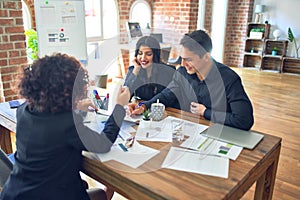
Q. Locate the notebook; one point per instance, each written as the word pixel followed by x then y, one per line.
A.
pixel 247 139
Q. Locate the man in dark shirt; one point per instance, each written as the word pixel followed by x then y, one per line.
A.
pixel 205 87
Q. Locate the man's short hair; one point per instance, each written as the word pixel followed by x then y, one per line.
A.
pixel 198 42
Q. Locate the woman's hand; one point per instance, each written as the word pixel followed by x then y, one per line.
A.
pixel 123 96
pixel 134 109
pixel 85 105
pixel 137 66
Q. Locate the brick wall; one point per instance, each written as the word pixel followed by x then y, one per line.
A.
pixel 239 14
pixel 12 46
pixel 208 15
pixel 174 18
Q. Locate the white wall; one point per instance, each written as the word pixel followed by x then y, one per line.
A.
pixel 282 15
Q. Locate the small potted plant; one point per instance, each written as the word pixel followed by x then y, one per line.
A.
pixel 146 122
pixel 274 51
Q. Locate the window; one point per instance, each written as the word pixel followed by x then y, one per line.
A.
pixel 218 28
pixel 201 14
pixel 93 19
pixel 101 19
pixel 110 19
pixel 26 16
pixel 141 12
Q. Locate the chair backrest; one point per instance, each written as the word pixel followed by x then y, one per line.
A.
pixel 6 167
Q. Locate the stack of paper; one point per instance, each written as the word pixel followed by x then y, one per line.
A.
pixel 196 162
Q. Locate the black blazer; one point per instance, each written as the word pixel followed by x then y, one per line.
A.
pixel 48 156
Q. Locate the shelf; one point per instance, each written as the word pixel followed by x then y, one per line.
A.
pixel 281 45
pixel 271 56
pixel 271 63
pixel 266 27
pixel 291 65
pixel 252 54
pixel 252 61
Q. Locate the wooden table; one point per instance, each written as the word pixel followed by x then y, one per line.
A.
pixel 258 165
pixel 7 126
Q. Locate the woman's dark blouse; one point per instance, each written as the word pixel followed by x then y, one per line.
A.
pixel 145 88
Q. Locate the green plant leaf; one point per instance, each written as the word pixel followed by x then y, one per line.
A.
pixel 290 35
pixel 146 114
pixel 32 43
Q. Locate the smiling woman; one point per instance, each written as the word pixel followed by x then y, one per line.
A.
pixel 148 76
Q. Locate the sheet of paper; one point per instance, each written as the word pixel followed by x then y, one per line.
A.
pixel 192 161
pixel 207 145
pixel 133 119
pixel 133 157
pixel 161 131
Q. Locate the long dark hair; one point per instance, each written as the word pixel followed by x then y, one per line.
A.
pixel 152 43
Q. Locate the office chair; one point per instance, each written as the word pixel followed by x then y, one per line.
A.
pixel 174 58
pixel 6 167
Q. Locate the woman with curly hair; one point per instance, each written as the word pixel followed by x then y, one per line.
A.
pixel 51 134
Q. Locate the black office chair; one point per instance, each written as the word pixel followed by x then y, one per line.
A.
pixel 6 167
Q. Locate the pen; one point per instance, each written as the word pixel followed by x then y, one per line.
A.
pixel 196 152
pixel 201 145
pixel 123 147
pixel 121 137
pixel 140 104
pixel 208 144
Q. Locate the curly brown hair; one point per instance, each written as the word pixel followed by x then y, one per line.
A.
pixel 49 85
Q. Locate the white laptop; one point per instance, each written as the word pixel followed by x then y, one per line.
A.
pixel 247 139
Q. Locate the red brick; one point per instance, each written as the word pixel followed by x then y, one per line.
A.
pixel 20 45
pixel 17 61
pixel 3 54
pixel 3 63
pixel 14 54
pixel 10 69
pixel 6 85
pixel 5 22
pixel 15 13
pixel 19 21
pixel 9 92
pixel 15 29
pixel 9 5
pixel 6 77
pixel 19 37
pixel 6 46
pixel 4 38
pixel 3 13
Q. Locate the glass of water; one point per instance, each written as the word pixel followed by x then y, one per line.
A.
pixel 177 129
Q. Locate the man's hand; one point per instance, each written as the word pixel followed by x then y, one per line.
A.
pixel 197 108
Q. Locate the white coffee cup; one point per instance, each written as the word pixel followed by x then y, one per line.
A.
pixel 157 111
